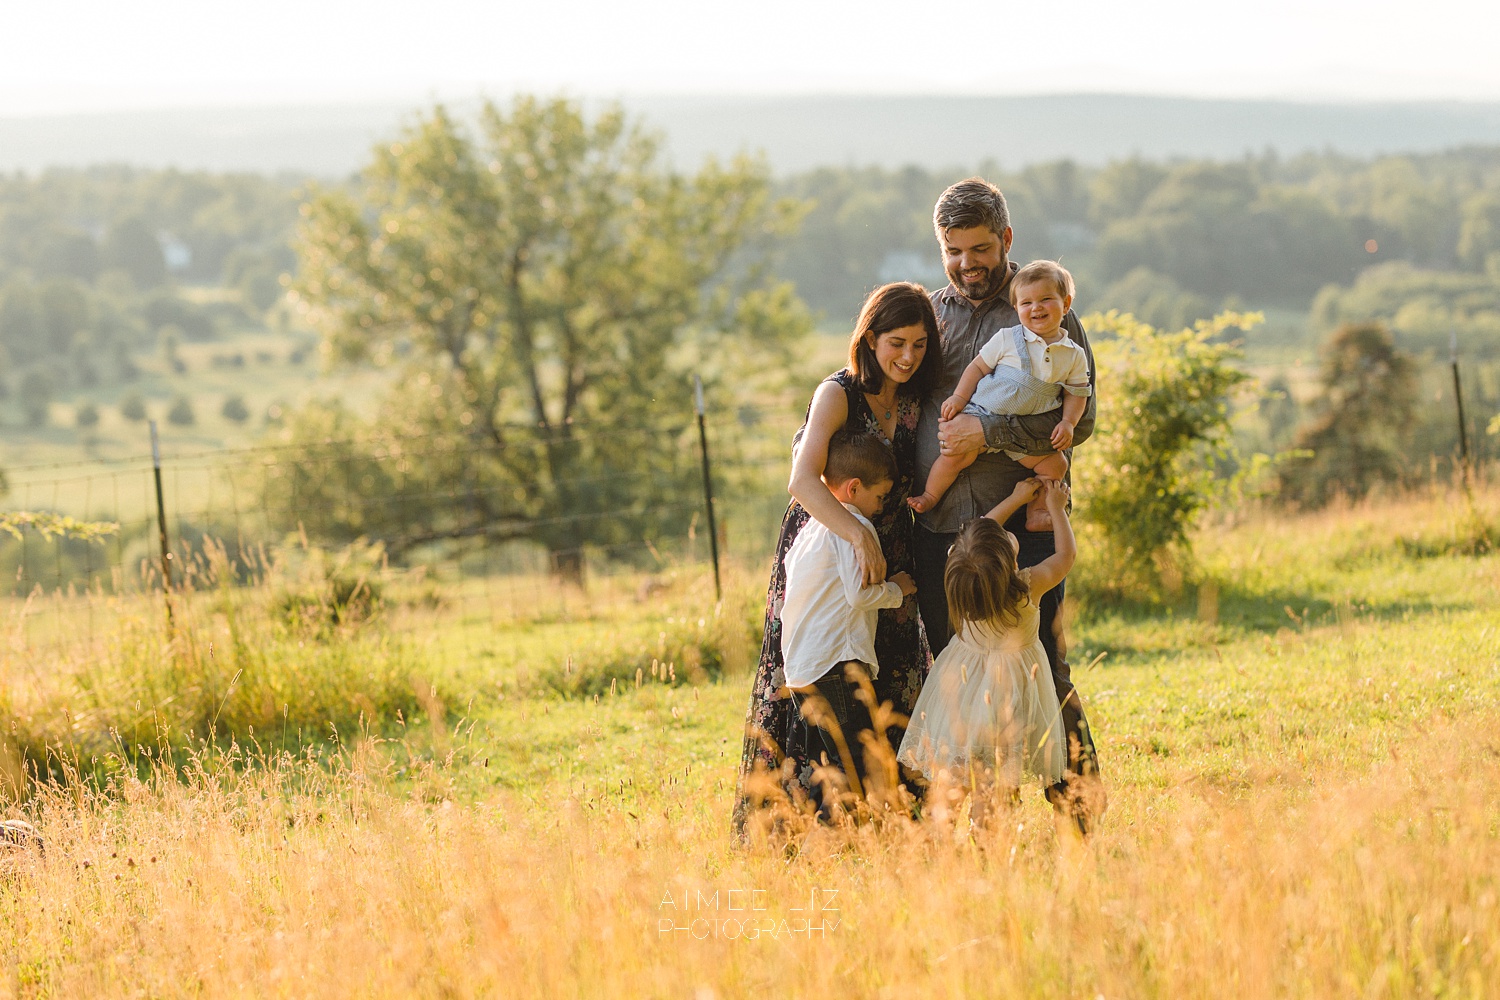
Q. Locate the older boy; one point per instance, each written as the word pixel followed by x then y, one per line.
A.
pixel 828 622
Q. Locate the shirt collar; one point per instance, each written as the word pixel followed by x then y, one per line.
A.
pixel 1032 338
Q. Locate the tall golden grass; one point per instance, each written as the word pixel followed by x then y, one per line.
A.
pixel 278 881
pixel 1307 809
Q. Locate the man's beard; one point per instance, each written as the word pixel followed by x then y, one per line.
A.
pixel 982 289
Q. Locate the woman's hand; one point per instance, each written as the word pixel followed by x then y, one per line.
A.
pixel 871 559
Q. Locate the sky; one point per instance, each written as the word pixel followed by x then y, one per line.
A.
pixel 77 56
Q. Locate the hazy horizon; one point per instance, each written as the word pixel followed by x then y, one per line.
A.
pixel 417 100
pixel 794 132
pixel 92 56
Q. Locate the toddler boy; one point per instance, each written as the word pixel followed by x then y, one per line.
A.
pixel 1022 369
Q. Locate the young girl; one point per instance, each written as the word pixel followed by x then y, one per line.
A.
pixel 988 713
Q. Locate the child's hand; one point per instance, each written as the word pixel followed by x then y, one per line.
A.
pixel 1057 497
pixel 1062 435
pixel 1025 490
pixel 906 583
pixel 953 406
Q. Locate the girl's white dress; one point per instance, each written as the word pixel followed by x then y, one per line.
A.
pixel 990 703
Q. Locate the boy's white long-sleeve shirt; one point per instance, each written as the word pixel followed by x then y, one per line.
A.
pixel 829 616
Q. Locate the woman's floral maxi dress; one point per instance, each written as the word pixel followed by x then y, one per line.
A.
pixel 900 642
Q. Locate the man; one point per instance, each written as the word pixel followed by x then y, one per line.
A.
pixel 973 230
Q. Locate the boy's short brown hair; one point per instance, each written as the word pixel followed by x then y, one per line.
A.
pixel 859 455
pixel 1043 270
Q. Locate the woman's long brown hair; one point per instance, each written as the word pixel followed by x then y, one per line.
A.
pixel 891 307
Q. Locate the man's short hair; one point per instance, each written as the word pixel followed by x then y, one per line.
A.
pixel 970 203
pixel 859 455
pixel 1043 270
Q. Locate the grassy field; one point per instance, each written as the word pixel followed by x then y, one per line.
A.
pixel 1300 758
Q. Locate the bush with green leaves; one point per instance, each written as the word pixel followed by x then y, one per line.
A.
pixel 1361 419
pixel 181 412
pixel 35 395
pixel 318 590
pixel 1162 432
pixel 235 409
pixel 133 407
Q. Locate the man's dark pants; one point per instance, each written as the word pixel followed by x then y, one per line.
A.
pixel 931 550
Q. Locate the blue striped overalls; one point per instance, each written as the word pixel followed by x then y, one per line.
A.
pixel 1015 390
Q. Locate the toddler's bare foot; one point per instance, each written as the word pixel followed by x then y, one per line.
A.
pixel 1038 518
pixel 923 503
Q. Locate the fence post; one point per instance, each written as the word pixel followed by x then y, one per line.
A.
pixel 161 524
pixel 708 488
pixel 1458 398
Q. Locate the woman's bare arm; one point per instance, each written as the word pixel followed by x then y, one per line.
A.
pixel 829 413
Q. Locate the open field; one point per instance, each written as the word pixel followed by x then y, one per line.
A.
pixel 1300 757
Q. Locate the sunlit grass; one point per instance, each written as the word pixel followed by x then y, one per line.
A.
pixel 1302 803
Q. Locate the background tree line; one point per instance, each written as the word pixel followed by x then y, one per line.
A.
pixel 1170 242
pixel 100 266
pixel 93 264
pixel 1167 240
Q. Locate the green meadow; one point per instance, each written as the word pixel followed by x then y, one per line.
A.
pixel 1299 750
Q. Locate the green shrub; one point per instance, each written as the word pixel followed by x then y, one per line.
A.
pixel 321 590
pixel 1361 420
pixel 1148 470
pixel 35 395
pixel 235 409
pixel 133 407
pixel 181 412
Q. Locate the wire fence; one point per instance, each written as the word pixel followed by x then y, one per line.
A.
pixel 445 519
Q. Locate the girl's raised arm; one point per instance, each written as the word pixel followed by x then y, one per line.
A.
pixel 1019 497
pixel 1050 571
pixel 829 413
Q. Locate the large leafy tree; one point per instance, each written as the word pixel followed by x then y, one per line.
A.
pixel 548 284
pixel 1362 417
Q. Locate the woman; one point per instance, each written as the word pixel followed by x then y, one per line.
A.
pixel 894 358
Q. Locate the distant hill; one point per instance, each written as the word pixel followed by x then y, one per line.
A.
pixel 796 133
